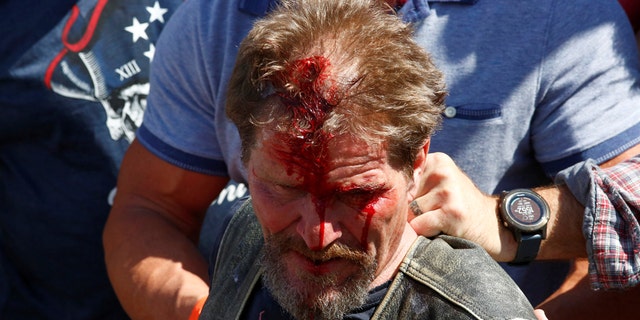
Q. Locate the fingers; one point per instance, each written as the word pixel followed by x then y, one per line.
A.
pixel 435 207
pixel 428 224
pixel 450 203
pixel 415 208
pixel 439 168
pixel 539 313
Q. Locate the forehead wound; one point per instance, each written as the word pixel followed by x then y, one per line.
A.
pixel 308 93
pixel 309 96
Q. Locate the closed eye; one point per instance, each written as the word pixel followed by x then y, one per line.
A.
pixel 359 198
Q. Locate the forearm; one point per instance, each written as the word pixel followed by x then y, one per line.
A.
pixel 606 230
pixel 569 234
pixel 156 271
pixel 564 230
pixel 565 239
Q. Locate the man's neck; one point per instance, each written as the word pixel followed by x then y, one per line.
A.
pixel 390 268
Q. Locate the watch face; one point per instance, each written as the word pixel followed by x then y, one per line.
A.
pixel 525 210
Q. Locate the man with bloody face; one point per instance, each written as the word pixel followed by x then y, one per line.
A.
pixel 335 105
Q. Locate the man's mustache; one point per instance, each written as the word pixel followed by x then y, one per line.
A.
pixel 335 250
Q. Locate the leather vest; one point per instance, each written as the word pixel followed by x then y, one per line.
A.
pixel 444 278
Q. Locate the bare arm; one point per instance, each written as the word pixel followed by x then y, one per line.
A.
pixel 453 205
pixel 564 230
pixel 151 235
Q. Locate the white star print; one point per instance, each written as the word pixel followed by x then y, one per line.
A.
pixel 138 30
pixel 157 13
pixel 149 54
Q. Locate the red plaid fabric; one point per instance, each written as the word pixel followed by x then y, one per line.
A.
pixel 615 233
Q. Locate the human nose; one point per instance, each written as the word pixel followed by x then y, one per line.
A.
pixel 318 227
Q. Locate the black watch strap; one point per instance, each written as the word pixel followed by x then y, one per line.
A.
pixel 528 246
pixel 525 213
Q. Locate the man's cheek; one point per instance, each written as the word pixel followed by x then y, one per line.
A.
pixel 275 219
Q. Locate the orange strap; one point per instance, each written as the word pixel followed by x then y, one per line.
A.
pixel 195 312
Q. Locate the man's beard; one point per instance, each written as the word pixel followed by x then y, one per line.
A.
pixel 321 296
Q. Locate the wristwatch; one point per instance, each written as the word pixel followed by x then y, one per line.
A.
pixel 526 213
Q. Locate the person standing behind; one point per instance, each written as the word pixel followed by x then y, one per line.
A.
pixel 74 79
pixel 534 88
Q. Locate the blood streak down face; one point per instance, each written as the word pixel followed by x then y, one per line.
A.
pixel 314 97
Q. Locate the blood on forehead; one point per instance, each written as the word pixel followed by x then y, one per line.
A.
pixel 309 100
pixel 310 97
pixel 308 93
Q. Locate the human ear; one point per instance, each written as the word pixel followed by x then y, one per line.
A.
pixel 419 167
